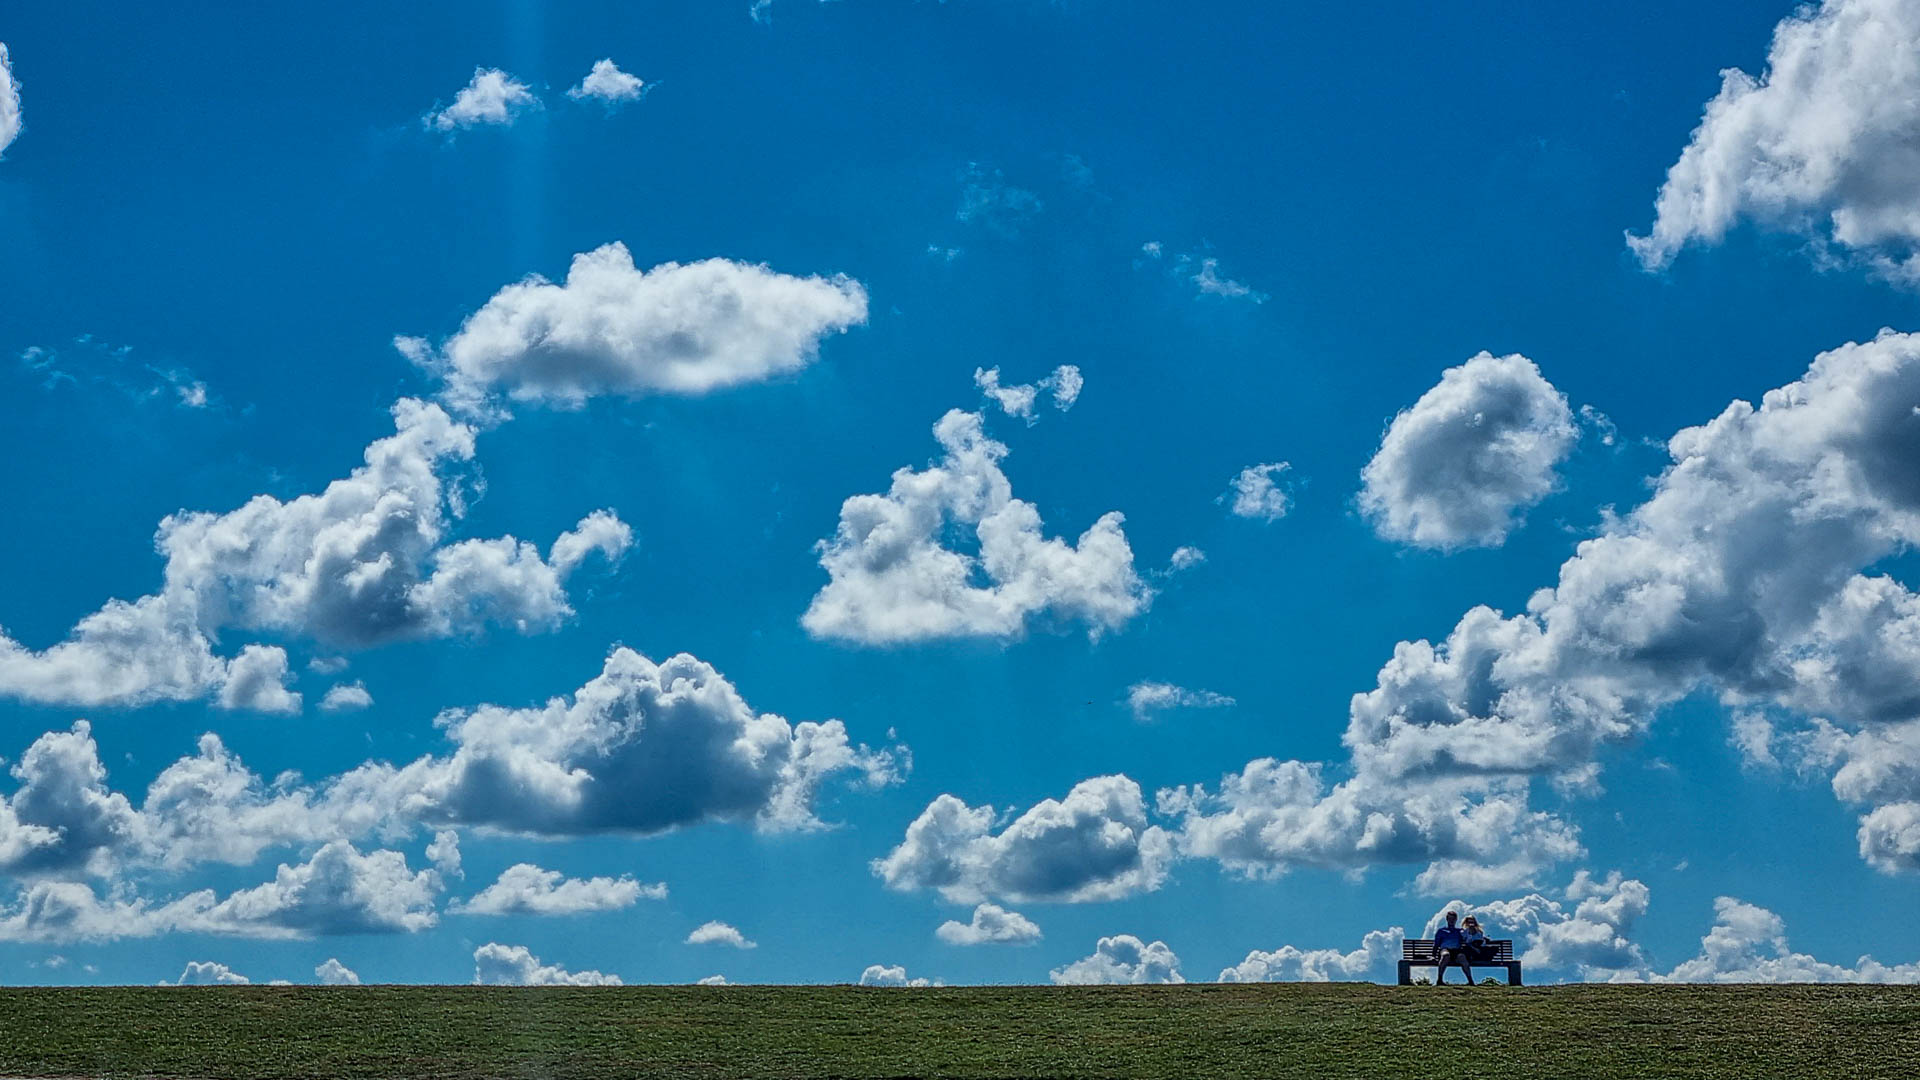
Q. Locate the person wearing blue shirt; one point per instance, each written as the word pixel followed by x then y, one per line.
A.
pixel 1450 947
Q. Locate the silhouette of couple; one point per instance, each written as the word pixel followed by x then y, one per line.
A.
pixel 1460 946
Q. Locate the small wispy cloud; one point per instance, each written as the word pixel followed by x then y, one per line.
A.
pixel 1200 271
pixel 1149 699
pixel 1018 400
pixel 90 363
pixel 987 199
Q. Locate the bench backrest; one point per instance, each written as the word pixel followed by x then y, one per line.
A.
pixel 1422 949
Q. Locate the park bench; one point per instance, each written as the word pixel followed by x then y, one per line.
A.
pixel 1418 952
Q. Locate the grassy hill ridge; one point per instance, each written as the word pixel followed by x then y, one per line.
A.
pixel 1276 1030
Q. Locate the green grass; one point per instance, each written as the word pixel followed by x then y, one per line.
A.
pixel 237 1033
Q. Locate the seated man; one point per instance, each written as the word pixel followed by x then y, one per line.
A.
pixel 1450 947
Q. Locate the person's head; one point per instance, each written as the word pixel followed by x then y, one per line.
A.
pixel 1452 917
pixel 1471 923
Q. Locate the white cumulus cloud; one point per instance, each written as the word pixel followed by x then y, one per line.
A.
pixel 607 83
pixel 1257 492
pixel 344 696
pixel 991 925
pixel 1456 468
pixel 495 964
pixel 1096 844
pixel 1744 574
pixel 256 680
pixel 337 891
pixel 1593 942
pixel 493 97
pixel 612 328
pixel 209 973
pixel 1748 944
pixel 716 932
pixel 896 975
pixel 1375 957
pixel 9 101
pixel 526 889
pixel 1122 958
pixel 1822 143
pixel 643 747
pixel 335 973
pixel 1275 815
pixel 892 580
pixel 365 561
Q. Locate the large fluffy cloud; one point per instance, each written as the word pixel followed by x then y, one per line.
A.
pixel 894 975
pixel 1591 942
pixel 611 328
pixel 894 580
pixel 365 561
pixel 62 816
pixel 1275 815
pixel 335 973
pixel 209 973
pixel 1095 844
pixel 257 680
pixel 71 911
pixel 991 925
pixel 1748 944
pixel 1744 573
pixel 495 964
pixel 1824 142
pixel 526 889
pixel 1455 468
pixel 1594 941
pixel 9 101
pixel 338 890
pixel 643 747
pixel 1378 950
pixel 1876 766
pixel 1122 958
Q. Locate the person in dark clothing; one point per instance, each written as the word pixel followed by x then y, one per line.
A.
pixel 1450 947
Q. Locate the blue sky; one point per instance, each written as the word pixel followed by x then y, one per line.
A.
pixel 238 256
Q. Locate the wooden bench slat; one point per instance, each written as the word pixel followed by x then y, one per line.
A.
pixel 1420 950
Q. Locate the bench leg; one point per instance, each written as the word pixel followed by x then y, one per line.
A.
pixel 1513 974
pixel 1406 973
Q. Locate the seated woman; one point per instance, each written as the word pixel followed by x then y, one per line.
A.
pixel 1477 945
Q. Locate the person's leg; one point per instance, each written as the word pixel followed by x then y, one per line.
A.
pixel 1440 960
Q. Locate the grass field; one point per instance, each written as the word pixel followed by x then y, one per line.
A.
pixel 1185 1031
